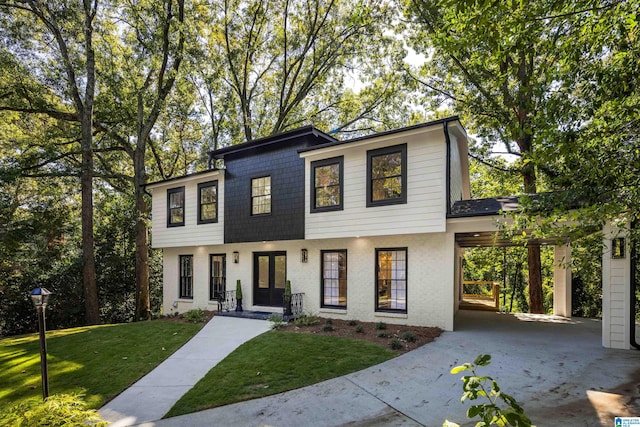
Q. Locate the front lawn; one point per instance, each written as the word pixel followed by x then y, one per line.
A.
pixel 99 361
pixel 278 361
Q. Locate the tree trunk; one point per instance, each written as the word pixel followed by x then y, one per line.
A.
pixel 143 302
pixel 535 279
pixel 88 257
pixel 533 251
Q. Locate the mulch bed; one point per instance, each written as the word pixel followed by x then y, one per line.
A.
pixel 369 331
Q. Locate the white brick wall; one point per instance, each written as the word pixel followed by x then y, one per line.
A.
pixel 430 294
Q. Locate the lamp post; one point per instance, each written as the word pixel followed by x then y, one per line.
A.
pixel 40 298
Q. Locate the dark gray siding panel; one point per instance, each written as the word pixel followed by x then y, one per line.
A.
pixel 286 168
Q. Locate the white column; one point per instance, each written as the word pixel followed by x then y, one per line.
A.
pixel 562 280
pixel 616 293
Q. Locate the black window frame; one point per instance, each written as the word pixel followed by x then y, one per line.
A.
pixel 202 186
pixel 171 191
pixel 212 279
pixel 327 162
pixel 406 281
pixel 270 195
pixel 322 278
pixel 185 287
pixel 400 148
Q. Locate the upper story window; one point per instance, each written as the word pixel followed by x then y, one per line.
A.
pixel 175 207
pixel 261 195
pixel 326 184
pixel 387 176
pixel 208 202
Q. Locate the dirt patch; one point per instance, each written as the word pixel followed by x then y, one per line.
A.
pixel 406 338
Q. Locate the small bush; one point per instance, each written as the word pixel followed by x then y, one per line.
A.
pixel 381 326
pixel 352 323
pixel 329 322
pixel 276 320
pixel 306 320
pixel 57 411
pixel 409 336
pixel 359 329
pixel 396 344
pixel 327 327
pixel 383 334
pixel 194 316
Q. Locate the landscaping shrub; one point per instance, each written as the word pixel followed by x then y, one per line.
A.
pixel 359 329
pixel 57 411
pixel 381 325
pixel 327 327
pixel 409 336
pixel 194 316
pixel 276 320
pixel 395 344
pixel 383 334
pixel 306 320
pixel 353 322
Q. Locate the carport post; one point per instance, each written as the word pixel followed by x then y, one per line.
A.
pixel 562 280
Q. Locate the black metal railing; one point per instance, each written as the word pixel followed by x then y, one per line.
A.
pixel 292 306
pixel 227 301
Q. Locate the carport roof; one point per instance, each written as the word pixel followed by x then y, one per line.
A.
pixel 482 207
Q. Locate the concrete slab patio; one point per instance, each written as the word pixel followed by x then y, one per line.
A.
pixel 555 367
pixel 153 396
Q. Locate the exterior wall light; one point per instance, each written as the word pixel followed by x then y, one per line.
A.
pixel 304 255
pixel 40 298
pixel 618 248
pixel 236 257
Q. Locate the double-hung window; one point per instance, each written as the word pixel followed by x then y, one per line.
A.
pixel 326 184
pixel 261 195
pixel 391 280
pixel 217 276
pixel 387 176
pixel 186 276
pixel 208 202
pixel 175 207
pixel 334 278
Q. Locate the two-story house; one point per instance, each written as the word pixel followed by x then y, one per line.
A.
pixel 371 228
pixel 358 226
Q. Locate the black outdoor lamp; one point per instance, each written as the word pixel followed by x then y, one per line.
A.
pixel 40 298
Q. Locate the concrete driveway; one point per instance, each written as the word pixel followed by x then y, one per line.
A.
pixel 556 368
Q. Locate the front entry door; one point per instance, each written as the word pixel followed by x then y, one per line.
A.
pixel 269 277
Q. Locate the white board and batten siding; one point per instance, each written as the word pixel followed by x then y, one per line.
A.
pixel 458 165
pixel 425 210
pixel 191 233
pixel 616 294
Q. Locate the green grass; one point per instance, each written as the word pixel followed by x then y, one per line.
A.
pixel 99 361
pixel 278 361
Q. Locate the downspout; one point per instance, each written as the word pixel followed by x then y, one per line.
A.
pixel 448 166
pixel 632 336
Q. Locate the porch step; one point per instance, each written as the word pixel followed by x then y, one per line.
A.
pixel 259 315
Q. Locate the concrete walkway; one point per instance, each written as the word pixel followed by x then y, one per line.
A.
pixel 556 368
pixel 152 397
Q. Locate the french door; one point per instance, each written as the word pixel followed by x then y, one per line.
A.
pixel 269 277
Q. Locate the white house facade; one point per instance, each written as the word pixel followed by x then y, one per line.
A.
pixel 371 229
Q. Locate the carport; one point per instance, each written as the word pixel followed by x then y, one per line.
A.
pixel 480 223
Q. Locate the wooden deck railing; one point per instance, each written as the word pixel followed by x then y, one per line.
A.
pixel 481 290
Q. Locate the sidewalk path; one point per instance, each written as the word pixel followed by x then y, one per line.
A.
pixel 557 368
pixel 153 396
